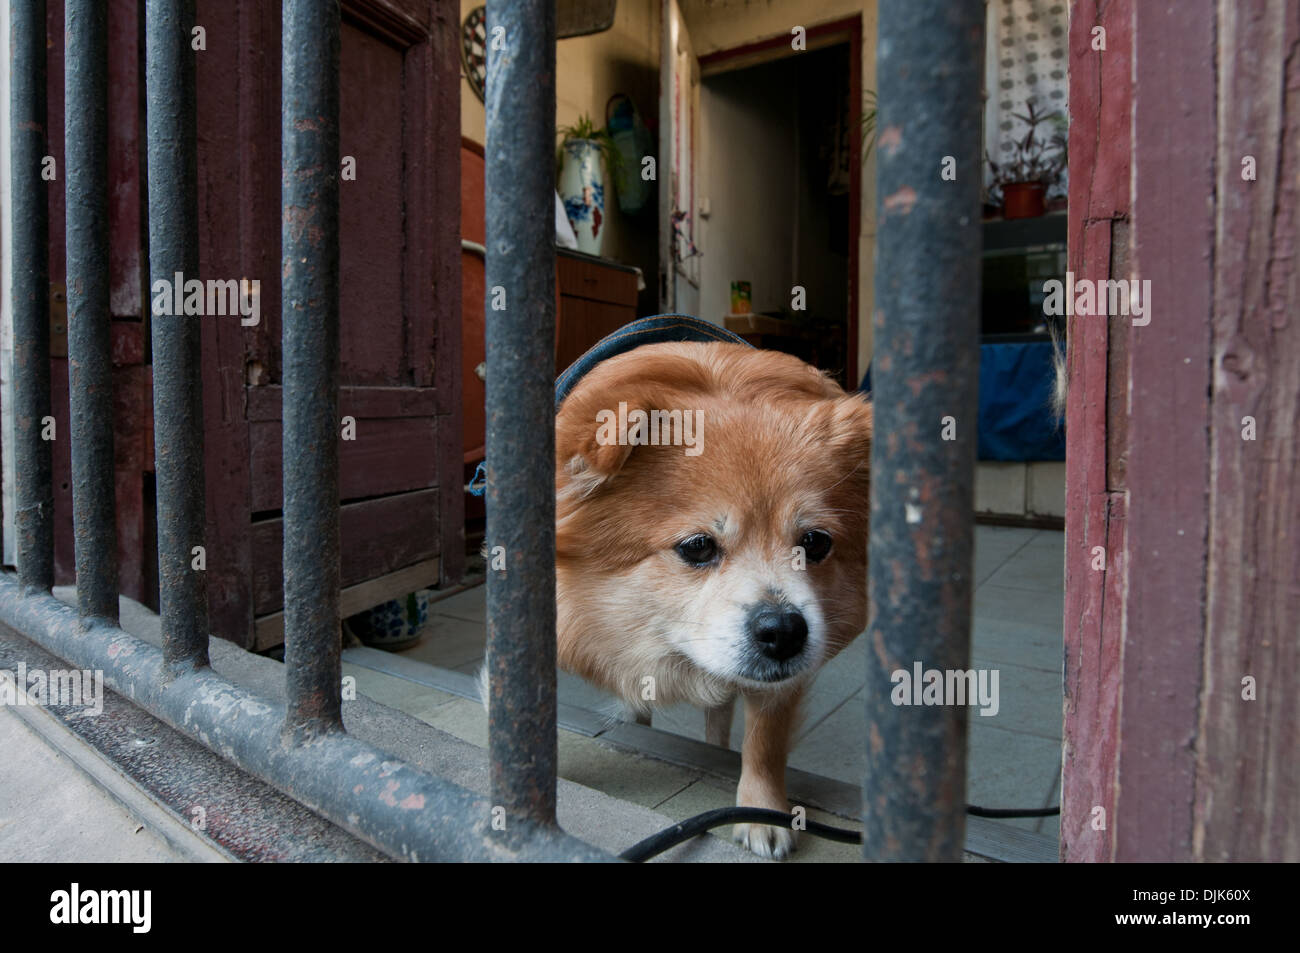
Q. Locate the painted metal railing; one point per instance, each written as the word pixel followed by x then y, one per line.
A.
pixel 926 325
pixel 299 746
pixel 519 186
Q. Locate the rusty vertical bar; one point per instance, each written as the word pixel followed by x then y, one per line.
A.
pixel 90 364
pixel 177 383
pixel 310 294
pixel 925 377
pixel 519 188
pixel 33 462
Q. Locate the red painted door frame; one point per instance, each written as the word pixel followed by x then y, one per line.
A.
pixel 1182 661
pixel 1095 497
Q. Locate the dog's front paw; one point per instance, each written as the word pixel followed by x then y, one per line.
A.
pixel 766 840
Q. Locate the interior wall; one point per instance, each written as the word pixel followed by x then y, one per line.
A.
pixel 769 218
pixel 626 58
pixel 748 139
pixel 821 240
pixel 590 69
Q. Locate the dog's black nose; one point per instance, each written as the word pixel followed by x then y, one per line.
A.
pixel 779 633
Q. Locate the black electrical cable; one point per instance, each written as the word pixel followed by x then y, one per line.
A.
pixel 656 844
pixel 679 833
pixel 976 811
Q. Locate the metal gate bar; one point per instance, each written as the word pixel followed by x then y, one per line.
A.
pixel 927 336
pixel 392 805
pixel 33 461
pixel 519 193
pixel 929 76
pixel 90 362
pixel 309 241
pixel 177 385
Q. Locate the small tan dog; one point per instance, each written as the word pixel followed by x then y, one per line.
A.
pixel 729 562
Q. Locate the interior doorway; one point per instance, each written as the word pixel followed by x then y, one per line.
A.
pixel 781 225
pixel 768 248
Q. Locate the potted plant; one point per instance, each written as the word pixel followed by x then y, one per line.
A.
pixel 867 123
pixel 582 179
pixel 1035 165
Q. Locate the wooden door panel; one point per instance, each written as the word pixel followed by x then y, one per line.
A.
pixel 372 335
pixel 389 455
pixel 373 541
pixel 264 403
pixel 399 304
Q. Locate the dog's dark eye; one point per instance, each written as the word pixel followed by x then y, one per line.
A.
pixel 816 545
pixel 698 550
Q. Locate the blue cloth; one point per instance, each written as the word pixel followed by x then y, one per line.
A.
pixel 1015 417
pixel 655 329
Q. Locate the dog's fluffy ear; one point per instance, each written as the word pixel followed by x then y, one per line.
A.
pixel 585 463
pixel 654 377
pixel 593 464
pixel 845 425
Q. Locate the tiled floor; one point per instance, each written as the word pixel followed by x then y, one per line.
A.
pixel 1015 755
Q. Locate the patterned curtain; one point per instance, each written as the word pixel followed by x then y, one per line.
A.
pixel 1026 59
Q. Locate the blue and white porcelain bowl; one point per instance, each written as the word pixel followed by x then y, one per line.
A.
pixel 393 625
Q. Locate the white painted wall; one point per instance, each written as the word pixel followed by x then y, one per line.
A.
pixel 1020 489
pixel 747 158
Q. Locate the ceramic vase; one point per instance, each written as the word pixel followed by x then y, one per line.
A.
pixel 582 189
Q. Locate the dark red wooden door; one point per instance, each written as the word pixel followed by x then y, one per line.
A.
pixel 127 268
pixel 400 453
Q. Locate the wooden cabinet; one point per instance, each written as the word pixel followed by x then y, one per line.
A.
pixel 596 298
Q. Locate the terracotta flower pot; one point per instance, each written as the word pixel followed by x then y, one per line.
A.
pixel 1024 200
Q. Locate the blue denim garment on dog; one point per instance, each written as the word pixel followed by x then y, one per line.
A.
pixel 656 329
